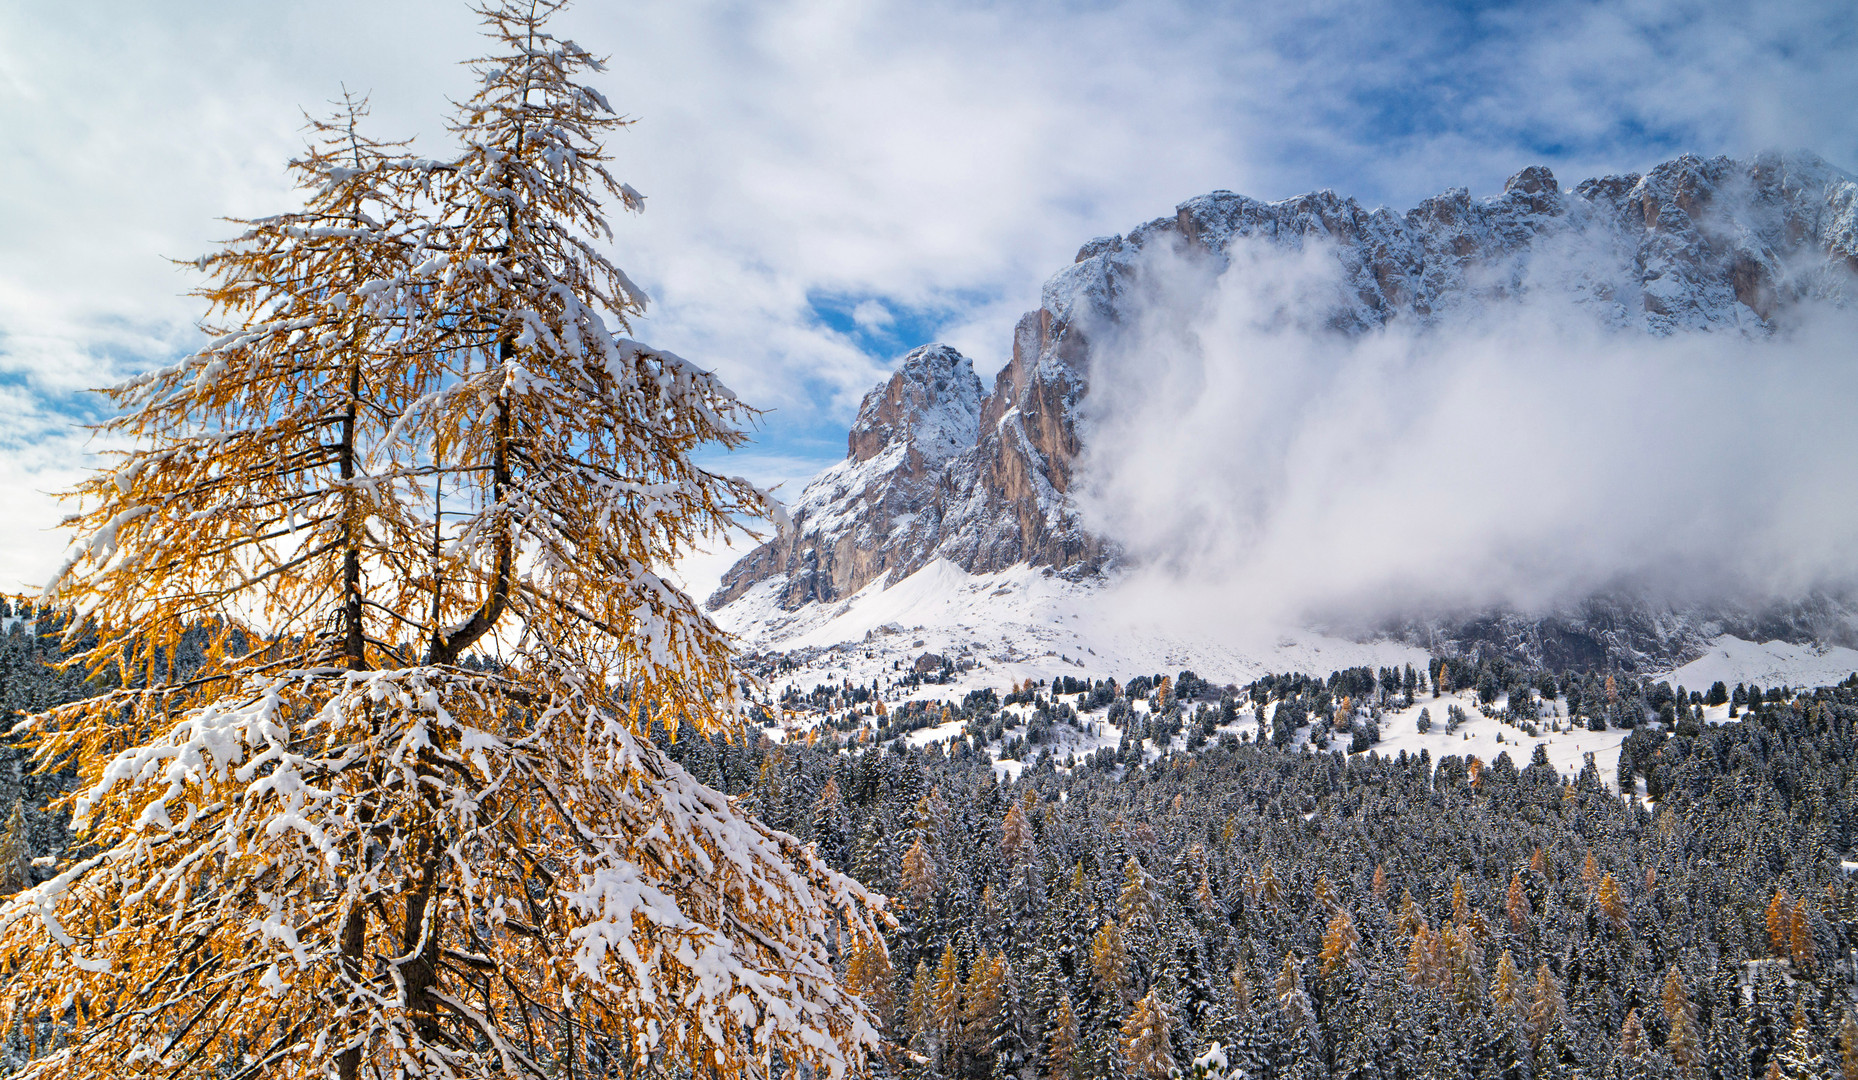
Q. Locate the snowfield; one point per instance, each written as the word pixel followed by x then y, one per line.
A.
pixel 1025 623
pixel 1019 623
pixel 1774 663
pixel 998 630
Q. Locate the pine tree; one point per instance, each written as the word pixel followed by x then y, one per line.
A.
pixel 1109 963
pixel 1423 970
pixel 1506 985
pixel 1340 943
pixel 1632 1045
pixel 1061 1042
pixel 983 1005
pixel 1410 920
pixel 1800 947
pixel 1547 1005
pixel 1323 895
pixel 945 1000
pixel 1848 1046
pixel 416 434
pixel 1147 1035
pixel 1612 906
pixel 15 854
pixel 1464 961
pixel 1270 893
pixel 1016 836
pixel 1516 904
pixel 1684 1042
pixel 918 880
pixel 869 974
pixel 1202 880
pixel 1135 905
pixel 1780 922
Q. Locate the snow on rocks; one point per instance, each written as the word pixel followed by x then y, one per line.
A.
pixel 936 469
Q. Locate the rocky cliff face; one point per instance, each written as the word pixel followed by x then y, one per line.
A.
pixel 882 508
pixel 935 468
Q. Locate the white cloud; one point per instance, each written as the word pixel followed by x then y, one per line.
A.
pixel 939 158
pixel 871 315
pixel 1525 458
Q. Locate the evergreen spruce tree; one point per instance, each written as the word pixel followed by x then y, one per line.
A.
pixel 1297 1011
pixel 920 1024
pixel 1799 1057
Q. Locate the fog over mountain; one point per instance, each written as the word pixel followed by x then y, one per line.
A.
pixel 1519 453
pixel 1598 424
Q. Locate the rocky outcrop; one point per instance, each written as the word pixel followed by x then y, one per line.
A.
pixel 936 469
pixel 880 509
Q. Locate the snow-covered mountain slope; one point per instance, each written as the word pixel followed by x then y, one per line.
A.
pixel 1024 622
pixel 999 628
pixel 1732 660
pixel 942 479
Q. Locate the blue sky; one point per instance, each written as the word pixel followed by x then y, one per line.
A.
pixel 832 182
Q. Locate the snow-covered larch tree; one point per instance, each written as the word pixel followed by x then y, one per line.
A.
pixel 344 845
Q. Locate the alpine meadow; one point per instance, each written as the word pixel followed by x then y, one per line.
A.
pixel 1124 629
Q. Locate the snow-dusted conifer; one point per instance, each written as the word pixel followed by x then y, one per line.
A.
pixel 1061 1043
pixel 337 848
pixel 15 857
pixel 1146 1039
pixel 1109 962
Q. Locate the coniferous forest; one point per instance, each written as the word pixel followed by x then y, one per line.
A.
pixel 1313 913
pixel 1324 914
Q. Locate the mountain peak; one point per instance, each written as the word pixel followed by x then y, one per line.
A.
pixel 929 406
pixel 935 469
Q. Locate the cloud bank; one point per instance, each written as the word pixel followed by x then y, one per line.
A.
pixel 1258 466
